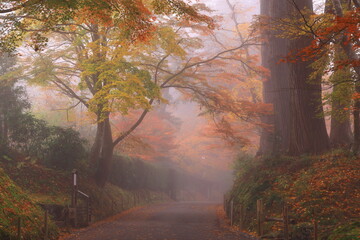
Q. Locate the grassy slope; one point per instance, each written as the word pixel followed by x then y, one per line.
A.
pixel 325 188
pixel 15 203
pixel 47 186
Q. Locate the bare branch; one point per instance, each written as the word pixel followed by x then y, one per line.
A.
pixel 72 93
pixel 133 127
pixel 186 67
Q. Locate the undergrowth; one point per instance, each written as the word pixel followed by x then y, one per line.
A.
pixel 25 185
pixel 322 188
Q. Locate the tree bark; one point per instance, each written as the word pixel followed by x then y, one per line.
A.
pixel 1 126
pixel 356 115
pixel 266 138
pixel 308 131
pixel 352 56
pixel 105 158
pixel 96 147
pixel 340 132
pixel 276 88
pixel 299 126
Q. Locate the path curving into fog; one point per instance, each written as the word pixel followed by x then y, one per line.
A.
pixel 170 221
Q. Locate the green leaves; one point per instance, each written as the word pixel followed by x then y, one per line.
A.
pixel 44 71
pixel 169 41
pixel 120 87
pixel 57 147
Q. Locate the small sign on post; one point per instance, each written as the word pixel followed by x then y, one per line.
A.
pixel 74 196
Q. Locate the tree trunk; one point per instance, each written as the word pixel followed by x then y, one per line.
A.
pixel 1 127
pixel 5 139
pixel 276 88
pixel 308 131
pixel 340 133
pixel 352 56
pixel 105 159
pixel 266 138
pixel 356 115
pixel 96 147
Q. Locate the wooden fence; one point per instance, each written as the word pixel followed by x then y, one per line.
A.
pixel 285 220
pixel 19 227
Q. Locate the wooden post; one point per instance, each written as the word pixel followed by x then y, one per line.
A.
pixel 19 228
pixel 232 212
pixel 260 214
pixel 224 203
pixel 286 221
pixel 67 218
pixel 315 230
pixel 90 210
pixel 122 203
pixel 226 207
pixel 241 216
pixel 74 196
pixel 46 225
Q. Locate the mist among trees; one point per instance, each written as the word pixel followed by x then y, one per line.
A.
pixel 172 100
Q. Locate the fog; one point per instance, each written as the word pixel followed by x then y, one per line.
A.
pixel 188 146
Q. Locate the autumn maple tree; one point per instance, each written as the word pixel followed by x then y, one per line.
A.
pixel 95 53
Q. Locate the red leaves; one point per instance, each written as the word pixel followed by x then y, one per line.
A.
pixel 325 34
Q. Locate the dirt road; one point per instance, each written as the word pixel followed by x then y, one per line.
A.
pixel 171 221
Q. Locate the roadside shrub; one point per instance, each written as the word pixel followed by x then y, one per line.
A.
pixel 56 147
pixel 324 188
pixel 63 148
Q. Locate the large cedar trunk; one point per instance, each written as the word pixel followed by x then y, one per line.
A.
pixel 340 131
pixel 352 56
pixel 1 128
pixel 298 123
pixel 356 115
pixel 105 159
pixel 266 135
pixel 308 131
pixel 266 138
pixel 276 87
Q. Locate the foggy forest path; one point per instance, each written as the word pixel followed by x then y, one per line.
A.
pixel 169 221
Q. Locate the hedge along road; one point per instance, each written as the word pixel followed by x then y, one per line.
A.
pixel 170 221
